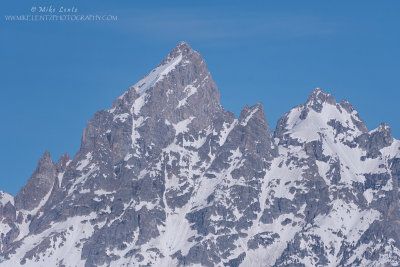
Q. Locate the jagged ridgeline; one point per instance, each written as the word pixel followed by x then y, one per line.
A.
pixel 168 177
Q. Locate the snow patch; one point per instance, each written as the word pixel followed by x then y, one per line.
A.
pixel 189 90
pixel 5 198
pixel 182 126
pixel 122 117
pixel 156 75
pixel 83 163
pixel 244 123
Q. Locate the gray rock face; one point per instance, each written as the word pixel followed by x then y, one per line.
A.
pixel 167 177
pixel 37 187
pixel 62 163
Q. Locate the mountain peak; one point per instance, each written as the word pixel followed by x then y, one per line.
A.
pixel 318 97
pixel 180 87
pixel 321 114
pixel 182 48
pixel 183 44
pixel 181 55
pixel 38 185
pixel 255 111
pixel 46 157
pixel 180 51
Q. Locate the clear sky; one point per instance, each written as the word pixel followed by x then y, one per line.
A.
pixel 55 75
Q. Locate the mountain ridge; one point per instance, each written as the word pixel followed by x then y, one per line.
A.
pixel 167 176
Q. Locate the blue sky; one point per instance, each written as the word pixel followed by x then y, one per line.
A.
pixel 56 75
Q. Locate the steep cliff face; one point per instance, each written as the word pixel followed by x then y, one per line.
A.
pixel 167 177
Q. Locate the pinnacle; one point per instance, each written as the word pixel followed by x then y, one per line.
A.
pixel 46 156
pixel 182 49
pixel 318 97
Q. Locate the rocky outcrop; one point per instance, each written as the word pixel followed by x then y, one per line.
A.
pixel 38 185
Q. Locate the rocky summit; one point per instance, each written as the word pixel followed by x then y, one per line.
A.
pixel 168 177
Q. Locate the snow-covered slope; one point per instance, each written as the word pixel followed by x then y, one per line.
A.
pixel 167 177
